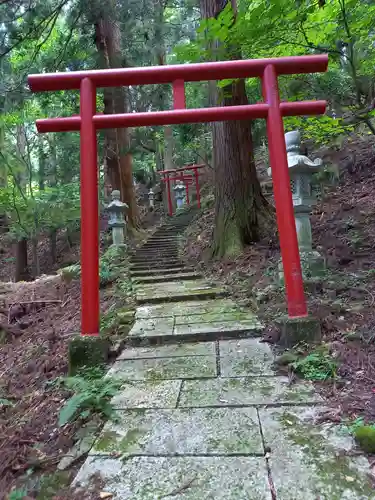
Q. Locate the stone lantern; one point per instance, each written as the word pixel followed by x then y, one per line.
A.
pixel 180 190
pixel 301 171
pixel 117 219
pixel 151 199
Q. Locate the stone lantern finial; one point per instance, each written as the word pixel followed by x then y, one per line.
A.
pixel 116 209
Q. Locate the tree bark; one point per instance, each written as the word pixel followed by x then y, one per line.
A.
pixel 239 202
pixel 3 180
pixel 21 265
pixel 118 159
pixel 160 51
pixel 21 269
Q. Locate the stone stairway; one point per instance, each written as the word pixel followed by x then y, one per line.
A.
pixel 201 413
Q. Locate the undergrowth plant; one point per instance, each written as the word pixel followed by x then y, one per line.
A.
pixel 17 494
pixel 92 394
pixel 318 365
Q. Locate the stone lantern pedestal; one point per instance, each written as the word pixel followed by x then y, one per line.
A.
pixel 301 170
pixel 180 194
pixel 117 222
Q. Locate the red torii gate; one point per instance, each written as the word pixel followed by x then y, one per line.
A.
pixel 185 179
pixel 88 122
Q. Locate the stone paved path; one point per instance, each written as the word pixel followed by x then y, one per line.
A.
pixel 201 414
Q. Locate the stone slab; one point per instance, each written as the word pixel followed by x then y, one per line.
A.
pixel 310 460
pixel 202 431
pixel 151 272
pixel 191 478
pixel 212 317
pixel 154 326
pixel 156 295
pixel 186 308
pixel 218 327
pixel 199 284
pixel 153 394
pixel 257 391
pixel 168 351
pixel 245 357
pixel 164 368
pixel 167 277
pixel 151 266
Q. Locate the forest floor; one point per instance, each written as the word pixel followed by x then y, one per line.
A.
pixel 344 232
pixel 39 317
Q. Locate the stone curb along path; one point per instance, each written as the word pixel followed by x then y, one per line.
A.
pixel 201 414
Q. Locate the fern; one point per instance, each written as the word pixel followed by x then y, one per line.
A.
pixel 316 366
pixel 17 495
pixel 92 395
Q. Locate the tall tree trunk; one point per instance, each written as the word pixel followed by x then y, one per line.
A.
pixel 42 162
pixel 21 269
pixel 159 8
pixel 3 180
pixel 21 265
pixel 53 182
pixel 118 159
pixel 239 203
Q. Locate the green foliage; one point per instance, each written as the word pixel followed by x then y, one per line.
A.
pixel 31 215
pixel 322 130
pixel 317 365
pixel 5 402
pixel 17 494
pixel 92 394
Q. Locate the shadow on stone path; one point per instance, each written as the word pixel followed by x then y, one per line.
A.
pixel 201 414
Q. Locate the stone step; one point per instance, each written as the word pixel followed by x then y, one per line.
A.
pixel 163 271
pixel 155 262
pixel 160 242
pixel 178 291
pixel 181 329
pixel 167 252
pixel 155 258
pixel 151 266
pixel 157 248
pixel 167 277
pixel 151 251
pixel 167 239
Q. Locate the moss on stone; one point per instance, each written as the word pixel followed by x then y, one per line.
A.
pixel 87 351
pixel 286 358
pixel 336 473
pixel 51 484
pixel 365 437
pixel 295 330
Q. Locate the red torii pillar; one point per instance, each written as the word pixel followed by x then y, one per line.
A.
pixel 271 109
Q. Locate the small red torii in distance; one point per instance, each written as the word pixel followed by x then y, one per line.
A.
pixel 88 122
pixel 183 178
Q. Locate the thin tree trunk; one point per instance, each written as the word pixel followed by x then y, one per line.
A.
pixel 53 183
pixel 118 157
pixel 21 265
pixel 3 180
pixel 239 203
pixel 35 260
